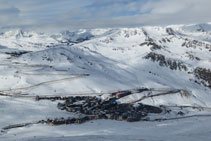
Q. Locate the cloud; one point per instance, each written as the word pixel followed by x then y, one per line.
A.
pixel 164 6
pixel 180 11
pixel 8 14
pixel 101 13
pixel 9 11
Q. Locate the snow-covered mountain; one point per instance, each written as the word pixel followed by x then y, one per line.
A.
pixel 160 58
pixel 176 56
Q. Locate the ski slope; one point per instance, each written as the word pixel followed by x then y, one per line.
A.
pixel 101 61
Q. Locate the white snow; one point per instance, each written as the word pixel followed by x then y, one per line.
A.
pixel 115 60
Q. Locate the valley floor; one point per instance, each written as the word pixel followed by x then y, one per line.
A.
pixel 193 129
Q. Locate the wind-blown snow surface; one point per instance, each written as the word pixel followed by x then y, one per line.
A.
pixel 115 59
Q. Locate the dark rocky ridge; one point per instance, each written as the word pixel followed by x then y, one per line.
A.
pixel 16 53
pixel 204 75
pixel 150 42
pixel 196 44
pixel 170 31
pixel 166 62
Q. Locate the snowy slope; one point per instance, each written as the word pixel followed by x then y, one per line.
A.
pixel 176 57
pixel 153 57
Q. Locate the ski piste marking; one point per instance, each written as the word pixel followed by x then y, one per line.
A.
pixel 42 83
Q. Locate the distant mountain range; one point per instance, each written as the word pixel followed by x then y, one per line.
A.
pixel 177 56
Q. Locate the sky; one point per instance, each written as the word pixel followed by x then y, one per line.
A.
pixel 74 14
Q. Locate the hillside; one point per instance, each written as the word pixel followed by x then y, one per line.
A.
pixel 162 59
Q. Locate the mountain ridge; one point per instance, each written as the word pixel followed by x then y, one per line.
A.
pixel 149 56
